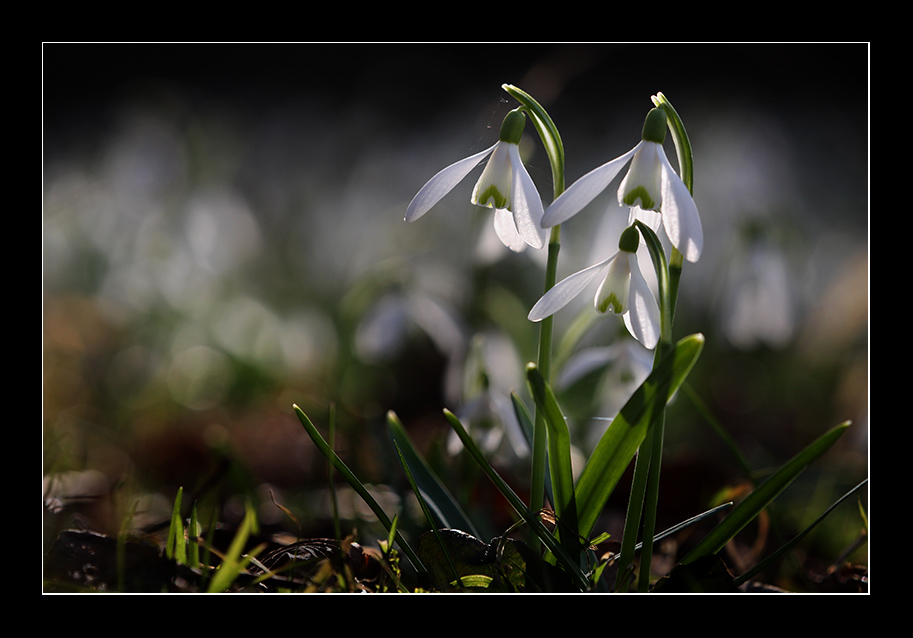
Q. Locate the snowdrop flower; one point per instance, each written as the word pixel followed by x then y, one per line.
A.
pixel 624 290
pixel 505 185
pixel 650 184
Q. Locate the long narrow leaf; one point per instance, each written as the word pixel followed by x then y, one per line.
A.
pixel 233 563
pixel 760 497
pixel 176 547
pixel 524 417
pixel 426 510
pixel 526 424
pixel 619 444
pixel 757 569
pixel 356 485
pixel 532 519
pixel 675 529
pixel 445 508
pixel 193 531
pixel 559 454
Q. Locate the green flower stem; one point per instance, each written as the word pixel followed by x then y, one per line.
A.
pixel 686 166
pixel 554 148
pixel 655 441
pixel 651 498
pixel 544 363
pixel 645 487
pixel 632 515
pixel 673 274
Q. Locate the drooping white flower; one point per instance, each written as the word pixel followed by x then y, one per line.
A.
pixel 505 185
pixel 650 184
pixel 623 290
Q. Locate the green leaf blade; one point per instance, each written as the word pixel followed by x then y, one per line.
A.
pixel 627 431
pixel 175 549
pixel 443 505
pixel 559 453
pixel 355 484
pixel 761 497
pixel 532 519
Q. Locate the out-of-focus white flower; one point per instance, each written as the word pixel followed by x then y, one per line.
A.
pixel 491 368
pixel 505 185
pixel 650 184
pixel 622 367
pixel 758 304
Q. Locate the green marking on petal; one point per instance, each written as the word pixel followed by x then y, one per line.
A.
pixel 611 301
pixel 491 197
pixel 639 193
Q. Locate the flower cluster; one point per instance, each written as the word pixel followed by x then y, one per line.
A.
pixel 651 189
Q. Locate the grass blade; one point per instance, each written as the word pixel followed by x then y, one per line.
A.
pixel 627 431
pixel 233 563
pixel 675 529
pixel 193 531
pixel 427 511
pixel 176 548
pixel 714 423
pixel 570 564
pixel 356 485
pixel 760 497
pixel 757 569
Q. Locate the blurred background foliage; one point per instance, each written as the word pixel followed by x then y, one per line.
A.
pixel 223 237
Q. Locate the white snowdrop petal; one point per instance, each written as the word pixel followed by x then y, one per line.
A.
pixel 526 205
pixel 564 291
pixel 613 291
pixel 584 190
pixel 507 230
pixel 642 185
pixel 681 220
pixel 492 189
pixel 642 319
pixel 441 184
